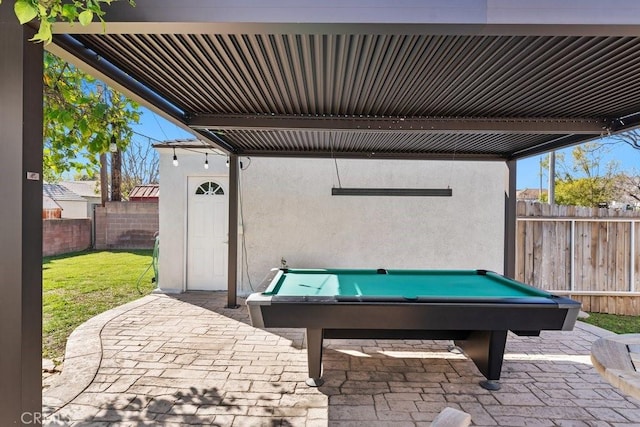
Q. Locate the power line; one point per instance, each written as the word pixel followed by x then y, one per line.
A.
pixel 168 144
pixel 158 123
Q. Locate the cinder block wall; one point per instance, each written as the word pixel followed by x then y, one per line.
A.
pixel 61 236
pixel 126 225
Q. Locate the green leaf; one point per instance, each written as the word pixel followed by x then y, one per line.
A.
pixel 67 119
pixel 25 11
pixel 84 127
pixel 69 12
pixel 100 110
pixel 85 18
pixel 53 114
pixel 44 33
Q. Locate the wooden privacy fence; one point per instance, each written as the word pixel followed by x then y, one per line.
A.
pixel 590 254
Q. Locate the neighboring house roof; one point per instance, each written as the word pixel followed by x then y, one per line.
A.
pixel 83 188
pixel 529 194
pixel 59 192
pixel 49 203
pixel 149 191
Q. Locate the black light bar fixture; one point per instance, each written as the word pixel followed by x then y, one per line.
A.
pixel 413 192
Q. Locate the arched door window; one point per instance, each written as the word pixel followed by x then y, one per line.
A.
pixel 209 189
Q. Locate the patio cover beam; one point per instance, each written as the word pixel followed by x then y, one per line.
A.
pixel 401 124
pixel 464 17
pixel 326 154
pixel 613 127
pixel 555 144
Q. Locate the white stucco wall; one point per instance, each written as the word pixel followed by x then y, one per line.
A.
pixel 73 208
pixel 92 202
pixel 289 213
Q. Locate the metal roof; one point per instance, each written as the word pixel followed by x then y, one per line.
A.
pixel 87 189
pixel 59 192
pixel 380 91
pixel 148 191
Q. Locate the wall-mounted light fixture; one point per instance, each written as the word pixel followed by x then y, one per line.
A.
pixel 416 192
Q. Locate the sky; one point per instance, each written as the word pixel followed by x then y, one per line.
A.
pixel 158 129
pixel 528 170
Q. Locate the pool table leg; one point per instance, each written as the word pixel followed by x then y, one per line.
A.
pixel 486 349
pixel 314 357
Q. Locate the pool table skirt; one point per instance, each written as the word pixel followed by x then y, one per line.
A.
pixel 459 315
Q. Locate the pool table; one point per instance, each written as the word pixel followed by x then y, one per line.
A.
pixel 474 308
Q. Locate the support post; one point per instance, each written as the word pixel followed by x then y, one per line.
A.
pixel 510 221
pixel 552 178
pixel 20 222
pixel 232 273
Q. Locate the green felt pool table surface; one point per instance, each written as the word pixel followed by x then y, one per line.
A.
pixel 400 283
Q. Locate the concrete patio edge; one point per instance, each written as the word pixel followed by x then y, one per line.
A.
pixel 595 330
pixel 613 358
pixel 83 355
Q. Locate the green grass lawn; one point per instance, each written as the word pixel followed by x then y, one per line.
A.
pixel 78 286
pixel 615 323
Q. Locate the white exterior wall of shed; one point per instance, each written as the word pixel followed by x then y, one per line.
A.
pixel 172 205
pixel 288 212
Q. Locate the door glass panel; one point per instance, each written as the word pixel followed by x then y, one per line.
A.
pixel 209 189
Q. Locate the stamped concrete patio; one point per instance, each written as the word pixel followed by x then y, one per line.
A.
pixel 186 360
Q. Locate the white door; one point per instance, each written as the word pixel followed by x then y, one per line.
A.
pixel 207 227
